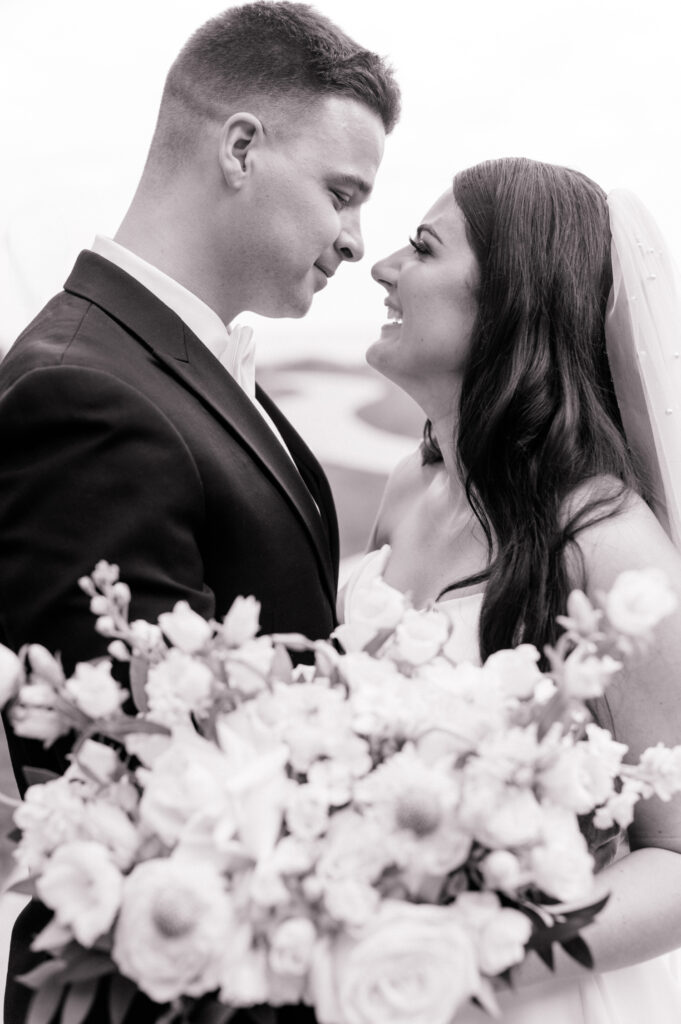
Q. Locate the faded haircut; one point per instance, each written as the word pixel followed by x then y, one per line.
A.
pixel 277 53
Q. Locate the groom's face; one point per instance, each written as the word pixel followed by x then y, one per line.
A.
pixel 309 186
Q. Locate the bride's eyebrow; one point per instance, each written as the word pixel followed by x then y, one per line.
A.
pixel 430 230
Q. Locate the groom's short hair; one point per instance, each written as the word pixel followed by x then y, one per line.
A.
pixel 278 52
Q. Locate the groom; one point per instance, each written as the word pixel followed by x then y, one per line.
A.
pixel 131 428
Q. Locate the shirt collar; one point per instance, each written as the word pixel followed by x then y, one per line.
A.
pixel 234 349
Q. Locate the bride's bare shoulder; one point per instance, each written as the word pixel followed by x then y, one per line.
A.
pixel 621 533
pixel 405 485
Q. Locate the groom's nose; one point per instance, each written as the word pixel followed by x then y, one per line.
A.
pixel 350 244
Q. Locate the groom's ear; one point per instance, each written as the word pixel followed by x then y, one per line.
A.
pixel 239 136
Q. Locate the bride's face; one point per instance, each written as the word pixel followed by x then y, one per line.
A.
pixel 431 285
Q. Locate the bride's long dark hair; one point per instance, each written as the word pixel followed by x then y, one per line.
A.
pixel 538 415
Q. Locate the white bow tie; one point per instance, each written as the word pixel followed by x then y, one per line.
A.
pixel 238 357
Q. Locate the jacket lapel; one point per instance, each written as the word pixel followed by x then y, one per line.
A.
pixel 161 330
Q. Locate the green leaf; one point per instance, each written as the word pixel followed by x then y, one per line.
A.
pixel 263 1014
pixel 281 667
pixel 545 953
pixel 579 951
pixel 38 776
pixel 139 669
pixel 25 887
pixel 375 644
pixel 39 975
pixel 121 994
pixel 213 1012
pixel 171 1016
pixel 78 1002
pixel 90 965
pixel 127 725
pixel 585 915
pixel 45 1003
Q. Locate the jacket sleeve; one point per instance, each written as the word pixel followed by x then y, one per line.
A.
pixel 90 469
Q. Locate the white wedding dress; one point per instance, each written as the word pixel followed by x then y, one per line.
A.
pixel 646 993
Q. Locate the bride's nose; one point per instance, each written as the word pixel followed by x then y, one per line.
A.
pixel 385 271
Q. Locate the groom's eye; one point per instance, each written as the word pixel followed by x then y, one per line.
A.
pixel 342 199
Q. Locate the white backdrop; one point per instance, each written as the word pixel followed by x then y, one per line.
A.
pixel 590 83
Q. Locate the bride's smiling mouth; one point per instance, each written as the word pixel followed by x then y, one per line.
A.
pixel 394 315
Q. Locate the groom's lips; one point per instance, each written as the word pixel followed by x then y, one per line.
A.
pixel 326 273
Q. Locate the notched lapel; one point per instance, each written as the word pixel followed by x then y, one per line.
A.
pixel 159 329
pixel 204 374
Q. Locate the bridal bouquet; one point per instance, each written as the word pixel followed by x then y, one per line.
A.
pixel 378 834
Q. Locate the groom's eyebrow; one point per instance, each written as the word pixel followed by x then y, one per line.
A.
pixel 352 181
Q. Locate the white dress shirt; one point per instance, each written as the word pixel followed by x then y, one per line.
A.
pixel 234 347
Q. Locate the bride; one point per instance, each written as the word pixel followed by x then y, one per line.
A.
pixel 525 488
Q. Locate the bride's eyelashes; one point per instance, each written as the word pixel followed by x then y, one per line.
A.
pixel 419 246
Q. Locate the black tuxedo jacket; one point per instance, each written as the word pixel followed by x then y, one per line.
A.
pixel 122 438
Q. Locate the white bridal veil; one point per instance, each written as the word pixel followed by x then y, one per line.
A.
pixel 643 335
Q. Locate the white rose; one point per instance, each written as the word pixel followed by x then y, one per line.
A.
pixel 413 964
pixel 242 622
pixel 516 670
pixel 146 746
pixel 244 978
pixel 501 870
pixel 638 600
pixel 11 674
pixel 96 761
pixel 178 687
pixel 291 946
pixel 374 608
pixel 175 929
pixel 188 778
pixel 307 812
pixel 94 691
pixel 354 848
pixel 49 816
pixel 576 779
pixel 420 636
pixel 110 826
pixel 351 902
pixel 499 816
pixel 561 864
pixel 585 675
pixel 513 822
pixel 500 933
pixel 502 940
pixel 256 781
pixel 249 667
pixel 185 628
pixel 378 605
pixel 34 714
pixel 334 779
pixel 83 887
pixel 268 888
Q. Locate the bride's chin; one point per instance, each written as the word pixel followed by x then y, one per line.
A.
pixel 376 356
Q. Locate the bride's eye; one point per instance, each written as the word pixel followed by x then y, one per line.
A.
pixel 419 246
